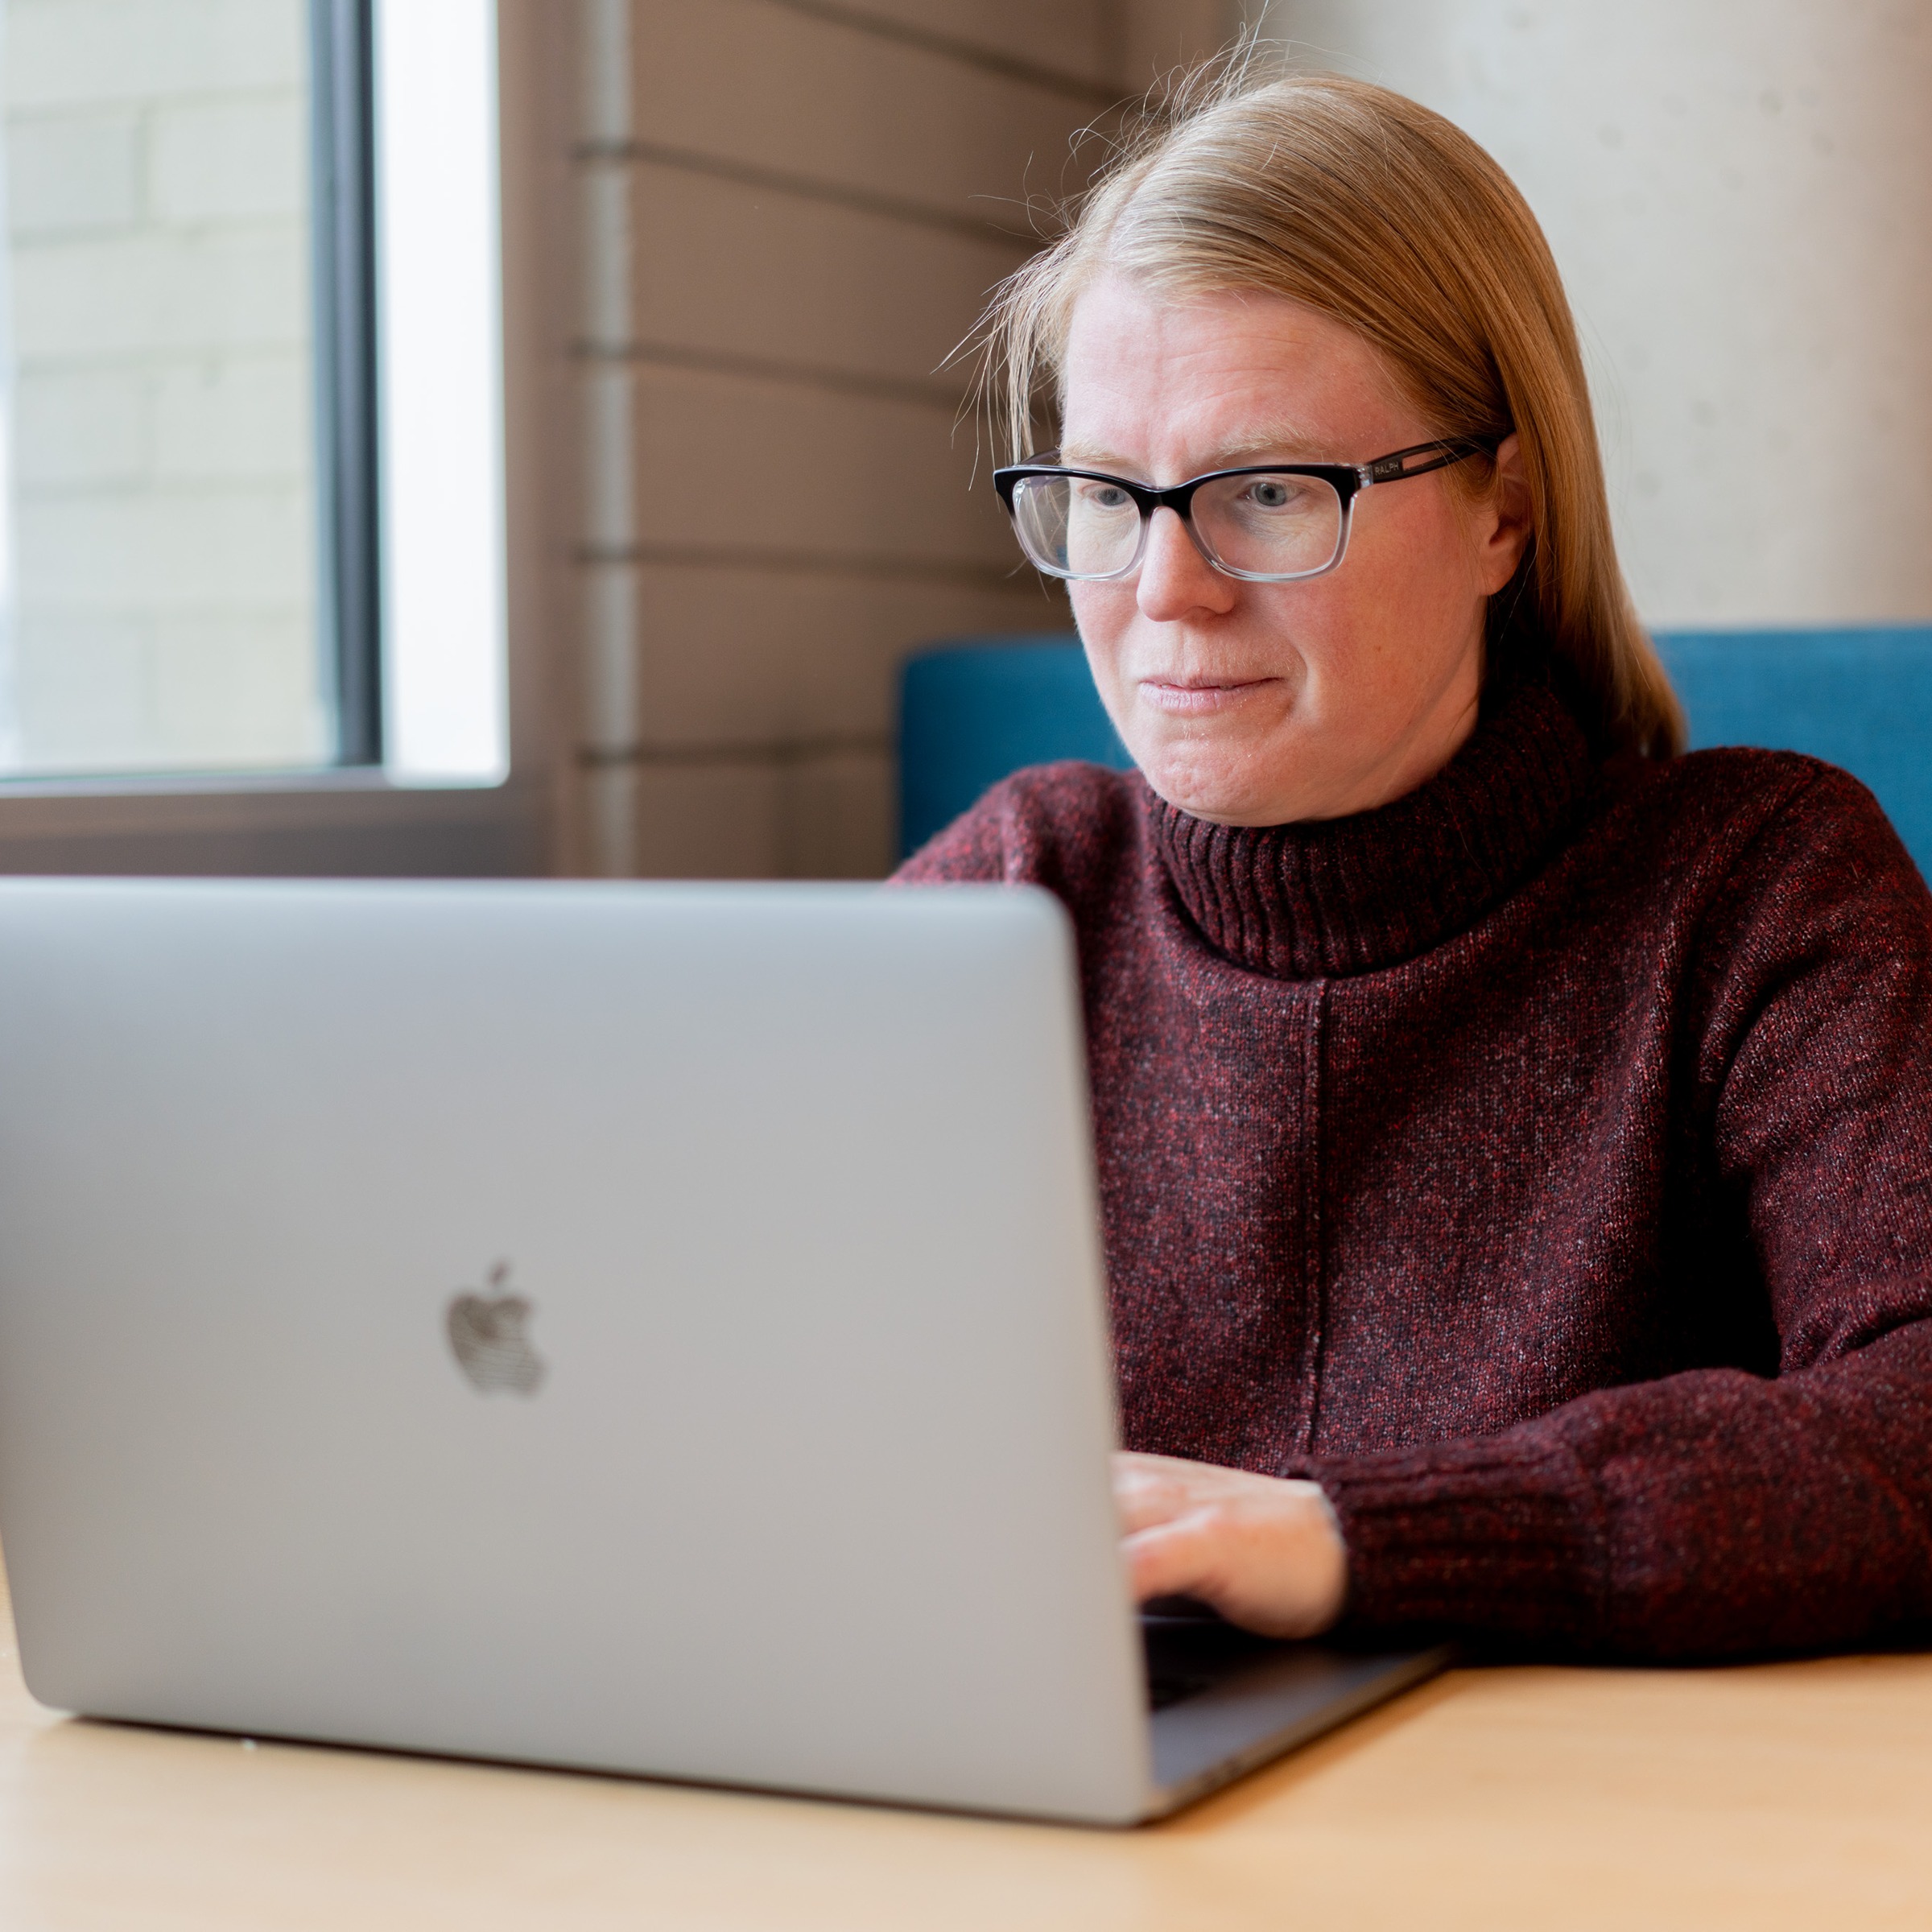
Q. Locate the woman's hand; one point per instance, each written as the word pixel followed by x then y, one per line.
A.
pixel 1263 1551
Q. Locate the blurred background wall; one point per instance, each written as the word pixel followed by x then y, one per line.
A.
pixel 789 212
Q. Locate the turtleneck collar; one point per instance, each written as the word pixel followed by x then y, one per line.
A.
pixel 1330 897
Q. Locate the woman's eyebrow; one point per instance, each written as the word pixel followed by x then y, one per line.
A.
pixel 1283 441
pixel 1289 442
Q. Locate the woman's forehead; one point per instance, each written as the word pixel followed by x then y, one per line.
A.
pixel 1234 373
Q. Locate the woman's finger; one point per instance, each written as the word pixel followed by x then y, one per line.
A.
pixel 1172 1558
pixel 1143 1497
pixel 1173 1468
pixel 1265 1551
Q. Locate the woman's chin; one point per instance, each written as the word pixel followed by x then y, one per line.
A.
pixel 1223 798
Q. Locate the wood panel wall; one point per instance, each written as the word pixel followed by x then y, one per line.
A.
pixel 790 213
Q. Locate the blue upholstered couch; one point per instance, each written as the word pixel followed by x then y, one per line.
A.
pixel 971 712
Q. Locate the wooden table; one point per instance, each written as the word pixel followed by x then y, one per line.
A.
pixel 1795 1794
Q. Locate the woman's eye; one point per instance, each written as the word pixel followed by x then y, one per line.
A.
pixel 1105 495
pixel 1271 493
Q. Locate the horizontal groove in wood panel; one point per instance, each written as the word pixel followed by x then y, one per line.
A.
pixel 949 396
pixel 720 269
pixel 754 83
pixel 1083 38
pixel 806 188
pixel 731 461
pixel 720 556
pixel 826 818
pixel 949 46
pixel 797 751
pixel 751 654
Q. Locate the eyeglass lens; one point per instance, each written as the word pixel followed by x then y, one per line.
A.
pixel 1266 526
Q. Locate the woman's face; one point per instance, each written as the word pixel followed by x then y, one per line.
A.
pixel 1260 703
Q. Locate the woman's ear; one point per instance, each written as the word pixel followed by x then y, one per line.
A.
pixel 1503 528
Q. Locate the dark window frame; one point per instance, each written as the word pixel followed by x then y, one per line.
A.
pixel 343 228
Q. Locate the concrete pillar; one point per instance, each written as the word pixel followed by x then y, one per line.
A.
pixel 1739 193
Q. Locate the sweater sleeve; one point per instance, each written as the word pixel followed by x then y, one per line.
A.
pixel 1718 1513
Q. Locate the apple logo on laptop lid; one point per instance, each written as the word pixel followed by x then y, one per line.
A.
pixel 486 1336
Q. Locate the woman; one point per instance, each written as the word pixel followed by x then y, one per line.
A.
pixel 1512 1134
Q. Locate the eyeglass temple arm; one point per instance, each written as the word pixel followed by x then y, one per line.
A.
pixel 1386 469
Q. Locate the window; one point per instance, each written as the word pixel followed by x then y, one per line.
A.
pixel 440 361
pixel 250 418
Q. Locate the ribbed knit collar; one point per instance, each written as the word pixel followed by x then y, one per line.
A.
pixel 1336 896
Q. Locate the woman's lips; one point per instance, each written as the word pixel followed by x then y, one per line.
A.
pixel 1199 697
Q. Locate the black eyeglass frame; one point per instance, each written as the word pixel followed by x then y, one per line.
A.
pixel 1348 480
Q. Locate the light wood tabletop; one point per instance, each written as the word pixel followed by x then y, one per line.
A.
pixel 1786 1795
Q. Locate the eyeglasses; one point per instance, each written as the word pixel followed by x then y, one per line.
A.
pixel 1270 524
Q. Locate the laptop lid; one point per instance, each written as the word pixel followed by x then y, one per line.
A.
pixel 656 1328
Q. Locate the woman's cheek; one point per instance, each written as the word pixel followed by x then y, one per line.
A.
pixel 1101 612
pixel 1104 616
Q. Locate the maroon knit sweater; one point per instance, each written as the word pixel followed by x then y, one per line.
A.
pixel 1542 1163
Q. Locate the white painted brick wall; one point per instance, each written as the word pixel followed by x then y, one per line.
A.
pixel 67 53
pixel 225 161
pixel 158 277
pixel 69 173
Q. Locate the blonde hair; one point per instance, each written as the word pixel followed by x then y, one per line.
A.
pixel 1372 210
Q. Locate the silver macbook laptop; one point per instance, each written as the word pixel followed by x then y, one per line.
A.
pixel 651 1328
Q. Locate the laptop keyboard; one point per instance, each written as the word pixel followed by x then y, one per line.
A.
pixel 1164 1691
pixel 1188 1654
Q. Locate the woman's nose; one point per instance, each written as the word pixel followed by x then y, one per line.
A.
pixel 1175 578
